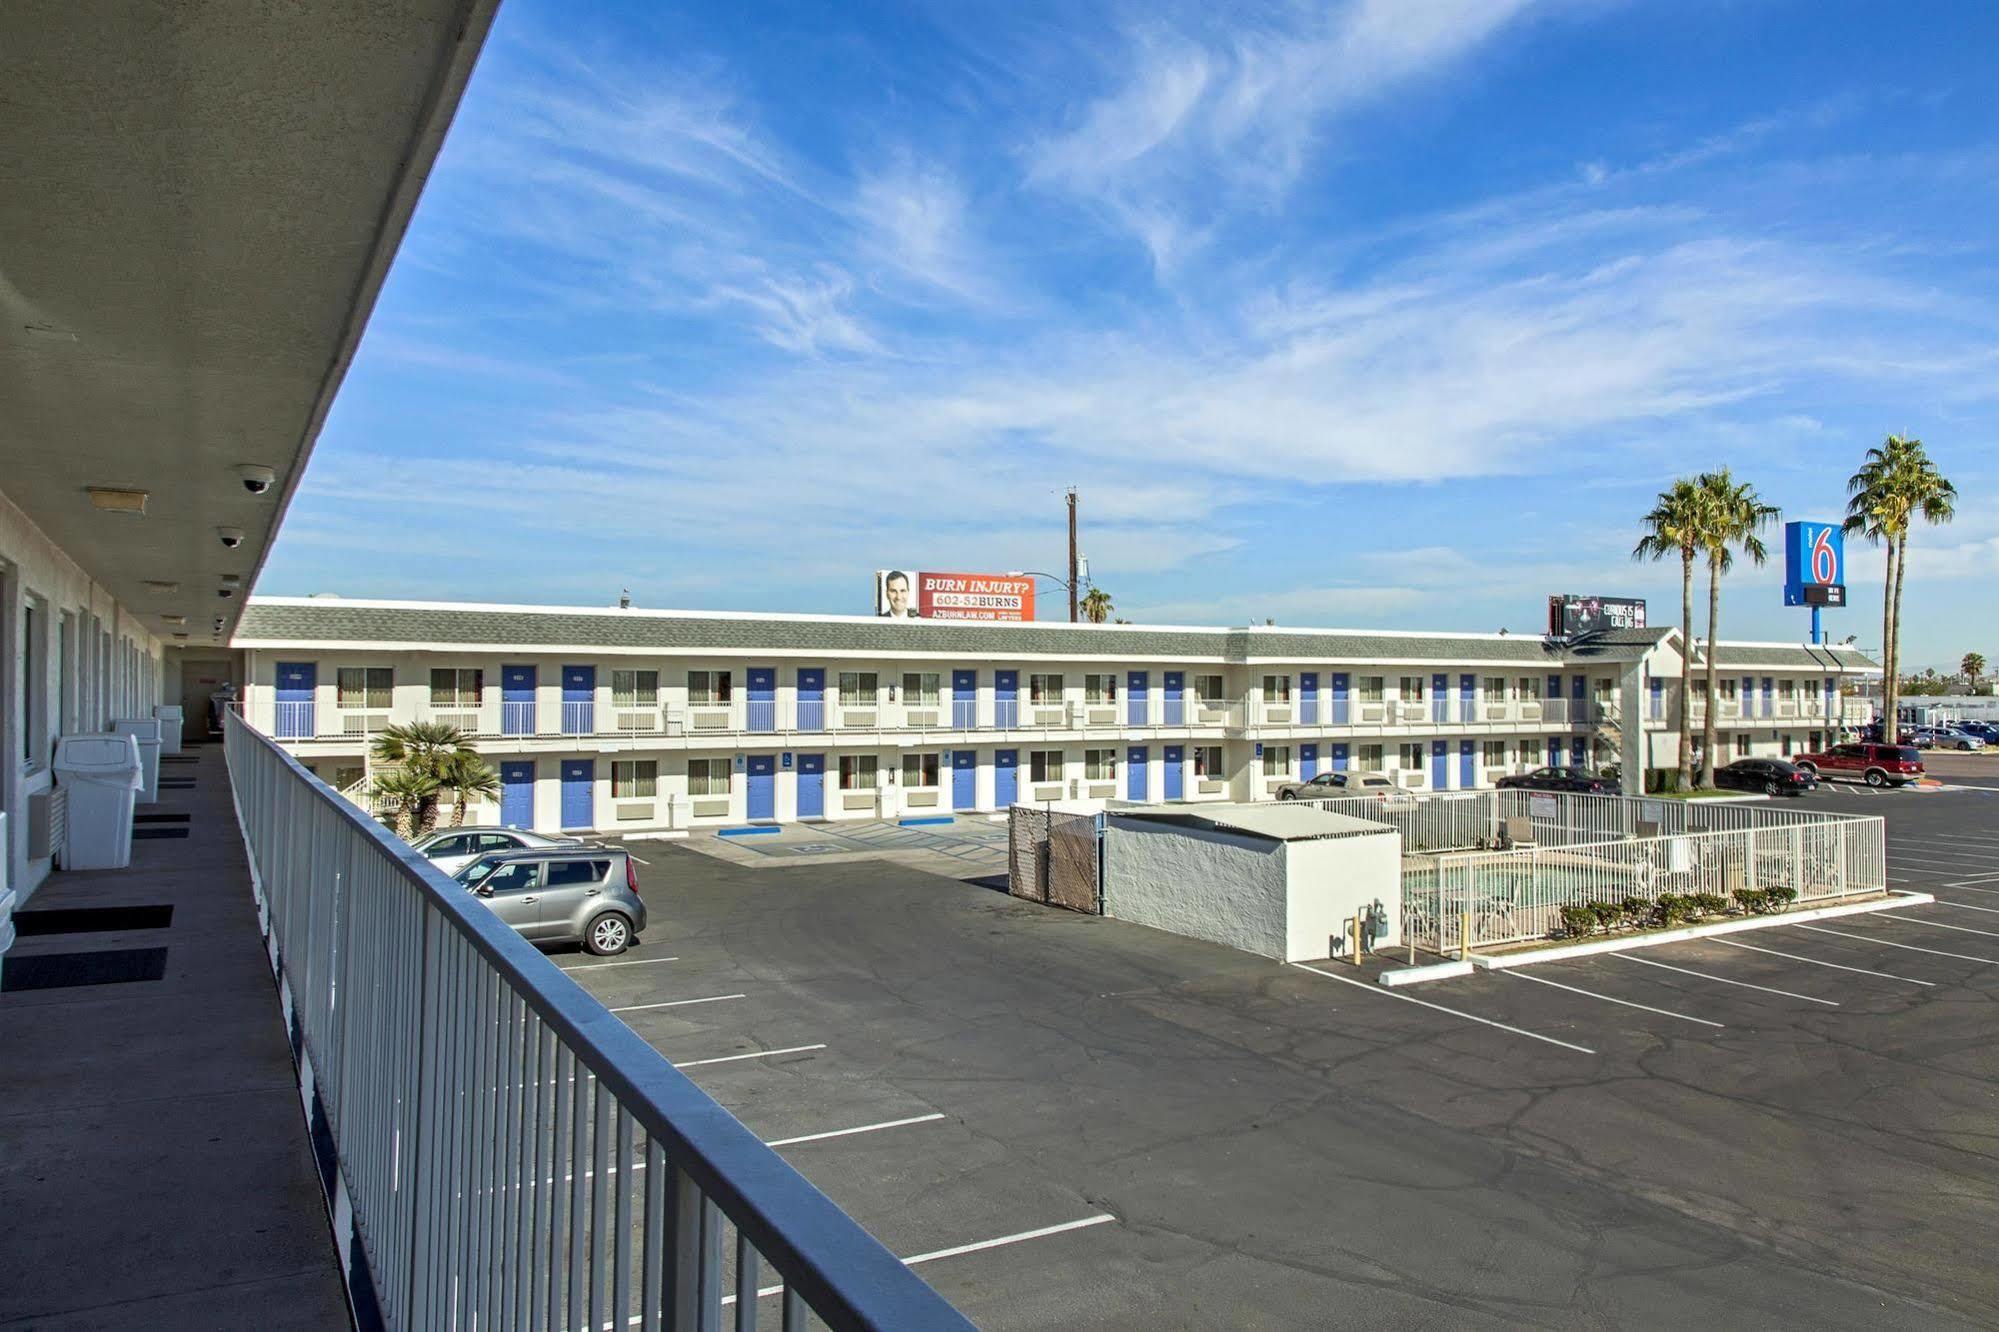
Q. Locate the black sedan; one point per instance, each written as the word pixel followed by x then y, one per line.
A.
pixel 1770 776
pixel 1560 779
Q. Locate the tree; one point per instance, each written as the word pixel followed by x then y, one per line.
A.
pixel 410 792
pixel 468 777
pixel 1096 605
pixel 1896 484
pixel 427 750
pixel 1673 529
pixel 1973 666
pixel 1732 516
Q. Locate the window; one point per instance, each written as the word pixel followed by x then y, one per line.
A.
pixel 919 771
pixel 636 689
pixel 1277 760
pixel 517 876
pixel 1100 689
pixel 1495 689
pixel 707 689
pixel 459 844
pixel 1787 690
pixel 1276 689
pixel 1495 753
pixel 35 681
pixel 1411 688
pixel 1045 765
pixel 1728 688
pixel 371 687
pixel 1410 757
pixel 347 775
pixel 858 689
pixel 568 873
pixel 1371 690
pixel 708 777
pixel 634 779
pixel 919 690
pixel 450 688
pixel 857 772
pixel 1044 689
pixel 1787 746
pixel 1742 746
pixel 1371 758
pixel 1208 761
pixel 1530 753
pixel 1100 765
pixel 1529 687
pixel 1208 688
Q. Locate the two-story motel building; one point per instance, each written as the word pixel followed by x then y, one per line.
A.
pixel 638 720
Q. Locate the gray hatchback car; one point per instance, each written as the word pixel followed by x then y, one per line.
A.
pixel 567 894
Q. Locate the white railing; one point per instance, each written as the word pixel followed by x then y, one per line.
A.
pixel 513 1154
pixel 1434 822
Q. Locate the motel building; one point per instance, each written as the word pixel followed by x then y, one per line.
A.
pixel 626 720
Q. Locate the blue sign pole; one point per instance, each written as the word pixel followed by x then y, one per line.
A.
pixel 1818 628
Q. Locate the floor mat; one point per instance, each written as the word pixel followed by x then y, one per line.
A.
pixel 84 920
pixel 161 818
pixel 56 971
pixel 158 832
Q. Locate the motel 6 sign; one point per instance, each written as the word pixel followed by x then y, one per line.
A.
pixel 1814 564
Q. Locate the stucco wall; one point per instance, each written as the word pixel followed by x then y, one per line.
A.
pixel 1205 885
pixel 1331 880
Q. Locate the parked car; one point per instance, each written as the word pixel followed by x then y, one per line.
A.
pixel 1770 776
pixel 1984 730
pixel 1947 737
pixel 1330 784
pixel 1877 765
pixel 567 894
pixel 452 849
pixel 1559 779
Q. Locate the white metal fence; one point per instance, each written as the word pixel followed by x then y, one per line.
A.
pixel 514 1155
pixel 1427 822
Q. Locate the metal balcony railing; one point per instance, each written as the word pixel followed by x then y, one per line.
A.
pixel 579 718
pixel 517 718
pixel 294 720
pixel 514 1155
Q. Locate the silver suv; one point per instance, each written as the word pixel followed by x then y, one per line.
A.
pixel 569 894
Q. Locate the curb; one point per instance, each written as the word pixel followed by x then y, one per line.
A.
pixel 1562 952
pixel 1434 971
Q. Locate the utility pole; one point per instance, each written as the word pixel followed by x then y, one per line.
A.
pixel 1072 554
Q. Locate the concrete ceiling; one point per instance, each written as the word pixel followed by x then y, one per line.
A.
pixel 201 199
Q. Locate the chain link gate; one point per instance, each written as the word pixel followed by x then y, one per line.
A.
pixel 1055 857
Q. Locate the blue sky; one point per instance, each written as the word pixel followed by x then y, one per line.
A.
pixel 1379 312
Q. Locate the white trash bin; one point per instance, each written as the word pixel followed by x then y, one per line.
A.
pixel 146 730
pixel 103 776
pixel 172 720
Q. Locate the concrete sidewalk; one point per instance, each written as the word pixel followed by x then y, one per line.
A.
pixel 154 1166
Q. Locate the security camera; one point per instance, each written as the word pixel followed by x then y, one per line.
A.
pixel 256 479
pixel 231 537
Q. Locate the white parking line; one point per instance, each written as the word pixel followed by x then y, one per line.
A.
pixel 754 1054
pixel 1972 887
pixel 677 1003
pixel 1937 924
pixel 1820 962
pixel 635 962
pixel 850 1132
pixel 1965 906
pixel 1889 943
pixel 1425 1003
pixel 1607 998
pixel 1099 1219
pixel 1705 975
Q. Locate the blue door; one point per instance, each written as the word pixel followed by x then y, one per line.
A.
pixel 1176 772
pixel 296 683
pixel 1440 765
pixel 1175 687
pixel 1578 752
pixel 517 700
pixel 1555 693
pixel 1440 698
pixel 1467 764
pixel 1579 694
pixel 517 794
pixel 1467 698
pixel 964 779
pixel 579 701
pixel 1340 698
pixel 811 786
pixel 1657 689
pixel 1339 758
pixel 1554 751
pixel 763 786
pixel 1006 777
pixel 1138 706
pixel 964 699
pixel 763 699
pixel 1308 762
pixel 579 793
pixel 1006 698
pixel 1136 785
pixel 1308 698
pixel 811 698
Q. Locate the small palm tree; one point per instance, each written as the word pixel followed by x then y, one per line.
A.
pixel 1732 518
pixel 418 742
pixel 1673 529
pixel 1973 667
pixel 412 794
pixel 468 777
pixel 1096 605
pixel 1896 484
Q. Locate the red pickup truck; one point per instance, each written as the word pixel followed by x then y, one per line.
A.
pixel 1877 765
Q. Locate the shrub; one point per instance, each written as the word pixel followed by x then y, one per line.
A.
pixel 1673 909
pixel 1707 904
pixel 1752 901
pixel 1781 896
pixel 1606 914
pixel 1635 912
pixel 1577 921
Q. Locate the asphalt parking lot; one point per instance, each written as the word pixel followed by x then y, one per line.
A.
pixel 1080 1122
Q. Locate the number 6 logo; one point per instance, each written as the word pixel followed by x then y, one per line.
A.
pixel 1825 563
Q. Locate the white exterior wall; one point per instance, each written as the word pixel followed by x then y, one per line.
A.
pixel 1332 879
pixel 1218 886
pixel 111 668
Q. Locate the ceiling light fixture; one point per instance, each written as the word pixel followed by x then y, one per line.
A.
pixel 49 331
pixel 116 499
pixel 171 618
pixel 162 587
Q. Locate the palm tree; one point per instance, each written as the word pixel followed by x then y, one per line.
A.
pixel 1896 484
pixel 1096 605
pixel 428 749
pixel 468 777
pixel 1973 666
pixel 412 793
pixel 1732 516
pixel 1673 529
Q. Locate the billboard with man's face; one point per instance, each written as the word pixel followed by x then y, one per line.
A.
pixel 1571 615
pixel 916 594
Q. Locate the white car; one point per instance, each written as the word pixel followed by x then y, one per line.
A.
pixel 452 849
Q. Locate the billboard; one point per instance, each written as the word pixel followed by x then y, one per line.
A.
pixel 1814 564
pixel 1571 615
pixel 915 594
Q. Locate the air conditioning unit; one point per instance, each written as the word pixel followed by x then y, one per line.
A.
pixel 464 721
pixel 636 721
pixel 676 722
pixel 363 723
